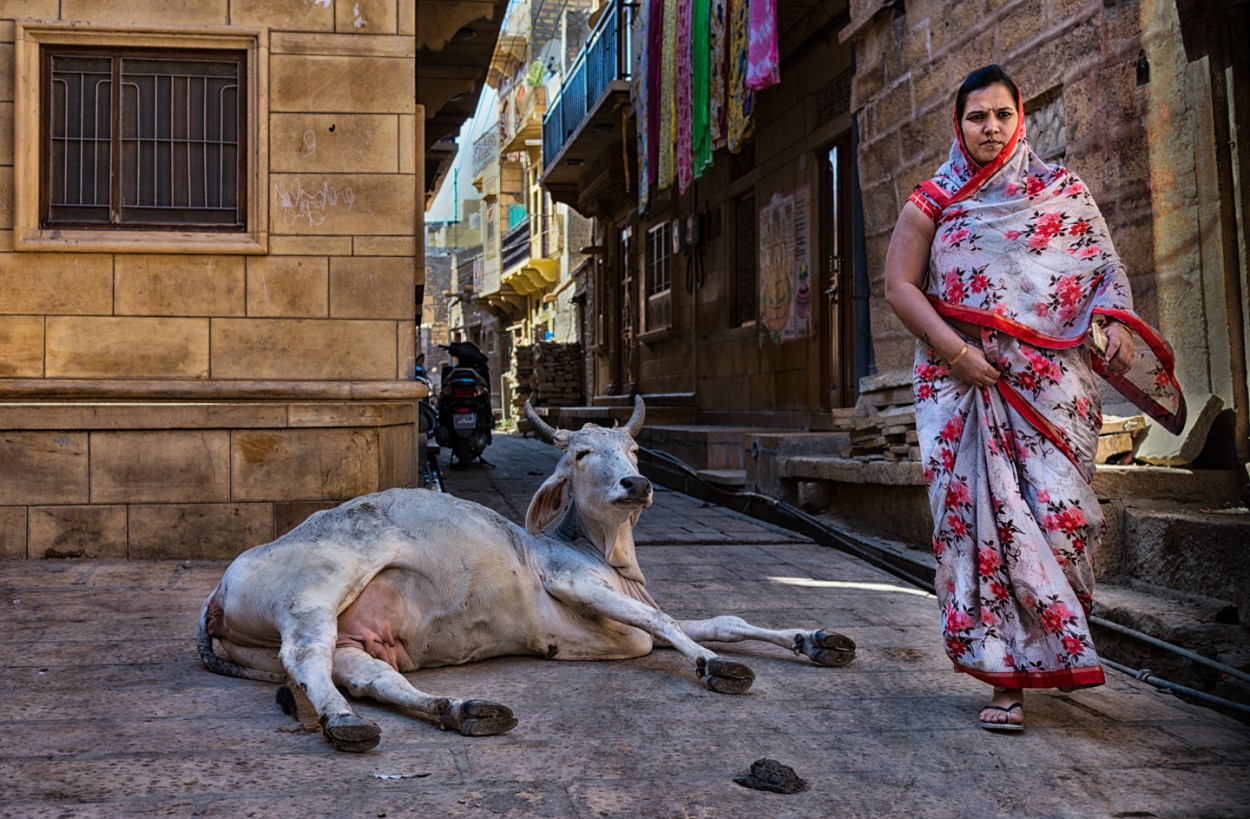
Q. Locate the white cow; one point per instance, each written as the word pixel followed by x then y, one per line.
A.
pixel 406 579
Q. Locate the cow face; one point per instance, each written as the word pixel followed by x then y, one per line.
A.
pixel 599 474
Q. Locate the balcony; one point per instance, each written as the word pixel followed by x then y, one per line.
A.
pixel 583 121
pixel 516 245
pixel 523 118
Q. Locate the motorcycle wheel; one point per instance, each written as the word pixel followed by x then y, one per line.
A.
pixel 463 451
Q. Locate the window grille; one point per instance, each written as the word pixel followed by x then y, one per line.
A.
pixel 144 139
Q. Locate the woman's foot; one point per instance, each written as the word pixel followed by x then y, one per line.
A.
pixel 1005 711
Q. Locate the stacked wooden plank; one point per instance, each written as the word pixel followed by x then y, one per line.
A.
pixel 882 424
pixel 1118 440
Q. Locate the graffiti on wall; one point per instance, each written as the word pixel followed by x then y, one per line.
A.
pixel 296 204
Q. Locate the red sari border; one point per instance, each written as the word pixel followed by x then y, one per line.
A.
pixel 1066 678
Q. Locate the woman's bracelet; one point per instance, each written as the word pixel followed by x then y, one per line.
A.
pixel 961 354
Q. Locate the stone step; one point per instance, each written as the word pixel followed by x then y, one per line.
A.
pixel 1196 550
pixel 702 446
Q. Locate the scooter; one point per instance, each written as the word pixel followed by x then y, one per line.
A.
pixel 465 419
pixel 431 477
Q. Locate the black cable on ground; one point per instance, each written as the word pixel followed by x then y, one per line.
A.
pixel 749 503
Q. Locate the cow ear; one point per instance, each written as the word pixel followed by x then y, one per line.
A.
pixel 548 505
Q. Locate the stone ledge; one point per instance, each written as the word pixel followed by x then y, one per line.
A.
pixel 70 416
pixel 82 389
pixel 850 470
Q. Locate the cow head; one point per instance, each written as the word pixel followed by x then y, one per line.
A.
pixel 598 475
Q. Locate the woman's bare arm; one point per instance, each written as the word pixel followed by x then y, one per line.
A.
pixel 905 264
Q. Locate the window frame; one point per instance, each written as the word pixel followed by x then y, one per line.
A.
pixel 29 112
pixel 657 279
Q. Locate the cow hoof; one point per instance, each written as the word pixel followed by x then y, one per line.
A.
pixel 829 649
pixel 348 732
pixel 482 718
pixel 727 676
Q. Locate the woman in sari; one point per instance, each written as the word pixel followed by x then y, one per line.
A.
pixel 1002 267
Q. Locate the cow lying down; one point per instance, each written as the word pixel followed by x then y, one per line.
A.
pixel 388 583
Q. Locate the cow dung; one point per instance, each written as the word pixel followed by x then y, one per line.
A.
pixel 770 775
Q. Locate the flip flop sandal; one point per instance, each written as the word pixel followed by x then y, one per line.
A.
pixel 1005 727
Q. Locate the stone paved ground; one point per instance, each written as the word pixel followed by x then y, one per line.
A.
pixel 107 711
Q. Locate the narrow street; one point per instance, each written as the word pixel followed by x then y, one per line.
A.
pixel 108 711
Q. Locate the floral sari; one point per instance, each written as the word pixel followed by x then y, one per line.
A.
pixel 1023 253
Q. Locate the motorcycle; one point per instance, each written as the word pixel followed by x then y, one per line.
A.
pixel 431 477
pixel 465 419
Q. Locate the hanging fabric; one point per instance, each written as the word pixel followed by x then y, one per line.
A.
pixel 641 85
pixel 685 143
pixel 718 65
pixel 699 81
pixel 740 98
pixel 763 69
pixel 668 101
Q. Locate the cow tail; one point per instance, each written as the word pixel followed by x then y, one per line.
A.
pixel 220 665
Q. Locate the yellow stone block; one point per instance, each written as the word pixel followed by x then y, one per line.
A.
pixel 164 284
pixel 408 144
pixel 151 12
pixel 160 466
pixel 407 17
pixel 385 246
pixel 6 196
pixel 397 457
pixel 43 467
pixel 32 9
pixel 372 287
pixel 56 283
pixel 198 531
pixel 286 516
pixel 355 414
pixel 6 133
pixel 12 532
pixel 343 204
pixel 6 76
pixel 287 15
pixel 310 246
pixel 304 464
pixel 77 532
pixel 303 349
pixel 103 347
pixel 312 82
pixel 21 347
pixel 366 17
pixel 287 286
pixel 334 143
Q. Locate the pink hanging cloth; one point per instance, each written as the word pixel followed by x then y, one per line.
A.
pixel 763 64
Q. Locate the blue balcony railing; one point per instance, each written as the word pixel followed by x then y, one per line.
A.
pixel 605 58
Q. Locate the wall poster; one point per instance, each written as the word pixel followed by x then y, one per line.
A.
pixel 784 266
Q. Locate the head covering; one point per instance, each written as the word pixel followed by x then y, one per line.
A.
pixel 1021 247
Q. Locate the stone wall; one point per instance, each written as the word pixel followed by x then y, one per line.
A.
pixel 1086 53
pixel 188 395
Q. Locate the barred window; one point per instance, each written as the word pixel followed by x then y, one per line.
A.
pixel 143 139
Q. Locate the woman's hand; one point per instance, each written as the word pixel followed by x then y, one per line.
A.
pixel 1119 355
pixel 974 370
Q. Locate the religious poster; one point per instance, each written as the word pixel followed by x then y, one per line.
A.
pixel 784 267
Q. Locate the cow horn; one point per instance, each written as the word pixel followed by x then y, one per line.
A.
pixel 541 428
pixel 634 424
